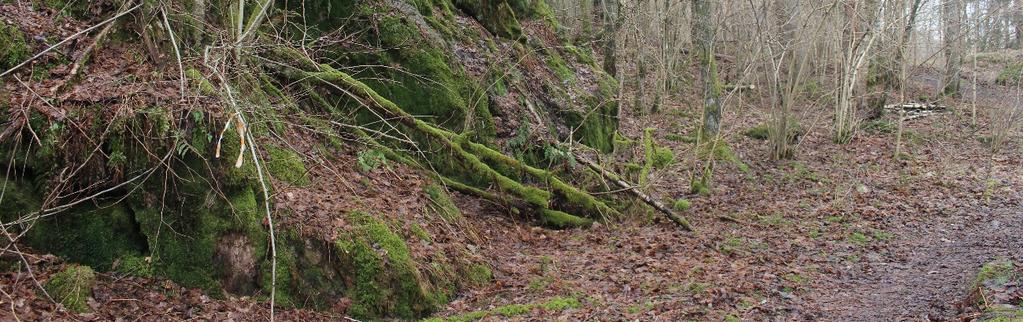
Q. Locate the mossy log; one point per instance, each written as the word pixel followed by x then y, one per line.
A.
pixel 481 160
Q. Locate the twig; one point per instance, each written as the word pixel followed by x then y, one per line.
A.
pixel 88 50
pixel 177 52
pixel 262 182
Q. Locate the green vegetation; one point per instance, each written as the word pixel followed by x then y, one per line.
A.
pixel 663 157
pixel 441 203
pixel 385 281
pixel 285 164
pixel 880 126
pixel 135 266
pixel 511 310
pixel 479 274
pixel 997 272
pixel 72 287
pixel 371 159
pixel 759 132
pixel 859 239
pixel 681 205
pixel 13 49
pixel 1011 74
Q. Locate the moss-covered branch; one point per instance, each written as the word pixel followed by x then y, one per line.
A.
pixel 471 156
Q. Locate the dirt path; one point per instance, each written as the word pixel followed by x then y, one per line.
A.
pixel 928 267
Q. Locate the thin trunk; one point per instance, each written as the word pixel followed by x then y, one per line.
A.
pixel 703 35
pixel 952 17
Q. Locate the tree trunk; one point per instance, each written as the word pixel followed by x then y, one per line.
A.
pixel 952 18
pixel 703 36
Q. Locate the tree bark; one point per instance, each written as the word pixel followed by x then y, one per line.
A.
pixel 952 18
pixel 704 36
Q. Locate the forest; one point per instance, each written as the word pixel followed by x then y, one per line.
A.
pixel 511 160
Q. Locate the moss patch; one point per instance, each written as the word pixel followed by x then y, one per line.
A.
pixel 441 203
pixel 88 235
pixel 511 310
pixel 681 205
pixel 285 164
pixel 479 274
pixel 385 280
pixel 72 287
pixel 13 49
pixel 1010 75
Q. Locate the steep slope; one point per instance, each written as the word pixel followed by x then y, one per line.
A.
pixel 124 157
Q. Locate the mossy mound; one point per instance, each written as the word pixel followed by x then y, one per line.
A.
pixel 286 165
pixel 13 49
pixel 72 287
pixel 1011 74
pixel 385 281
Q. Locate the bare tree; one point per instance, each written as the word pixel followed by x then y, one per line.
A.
pixel 952 19
pixel 703 36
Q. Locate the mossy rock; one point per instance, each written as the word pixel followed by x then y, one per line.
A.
pixel 597 126
pixel 89 235
pixel 13 48
pixel 184 230
pixel 421 76
pixel 384 279
pixel 497 16
pixel 72 287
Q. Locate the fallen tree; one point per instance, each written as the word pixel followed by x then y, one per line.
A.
pixel 556 202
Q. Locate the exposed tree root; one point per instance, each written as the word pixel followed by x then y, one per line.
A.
pixel 551 203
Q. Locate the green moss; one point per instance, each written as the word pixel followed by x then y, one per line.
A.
pixel 648 155
pixel 557 303
pixel 880 126
pixel 420 232
pixel 441 203
pixel 386 281
pixel 89 235
pixel 700 188
pixel 479 275
pixel 200 82
pixel 19 198
pixel 13 49
pixel 597 127
pixel 663 157
pixel 430 84
pixel 558 219
pixel 183 231
pixel 1011 74
pixel 72 287
pixel 495 15
pixel 1003 314
pixel 859 239
pixel 681 205
pixel 759 132
pixel 286 165
pixel 560 68
pixel 135 266
pixel 513 309
pixel 997 272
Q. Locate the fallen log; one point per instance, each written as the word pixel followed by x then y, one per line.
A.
pixel 681 221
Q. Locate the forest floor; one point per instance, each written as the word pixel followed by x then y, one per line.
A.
pixel 838 233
